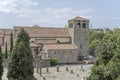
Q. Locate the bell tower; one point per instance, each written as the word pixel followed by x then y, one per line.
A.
pixel 79 31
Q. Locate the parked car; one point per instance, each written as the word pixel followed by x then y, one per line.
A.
pixel 89 60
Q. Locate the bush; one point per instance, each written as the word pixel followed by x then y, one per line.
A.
pixel 53 61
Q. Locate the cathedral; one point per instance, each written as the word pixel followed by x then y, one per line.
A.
pixel 67 45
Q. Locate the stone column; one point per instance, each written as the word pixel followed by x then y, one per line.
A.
pixel 58 69
pixel 67 68
pixel 47 69
pixel 40 65
pixel 71 71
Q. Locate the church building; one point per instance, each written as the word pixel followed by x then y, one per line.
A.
pixel 67 45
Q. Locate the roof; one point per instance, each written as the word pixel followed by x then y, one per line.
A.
pixel 45 31
pixel 6 31
pixel 46 41
pixel 60 46
pixel 79 18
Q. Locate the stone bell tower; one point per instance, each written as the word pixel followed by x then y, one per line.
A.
pixel 79 31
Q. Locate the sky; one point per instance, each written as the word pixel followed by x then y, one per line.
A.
pixel 56 13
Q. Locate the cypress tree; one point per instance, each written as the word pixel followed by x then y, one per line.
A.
pixel 6 53
pixel 21 61
pixel 1 67
pixel 11 42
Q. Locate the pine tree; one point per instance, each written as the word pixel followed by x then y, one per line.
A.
pixel 1 67
pixel 6 53
pixel 21 61
pixel 11 42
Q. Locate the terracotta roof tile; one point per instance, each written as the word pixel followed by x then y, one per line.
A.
pixel 60 46
pixel 6 31
pixel 45 32
pixel 46 41
pixel 79 18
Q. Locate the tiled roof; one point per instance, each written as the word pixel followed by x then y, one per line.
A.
pixel 6 31
pixel 46 41
pixel 79 18
pixel 45 31
pixel 60 46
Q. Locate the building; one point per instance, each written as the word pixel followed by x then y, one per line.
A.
pixel 67 45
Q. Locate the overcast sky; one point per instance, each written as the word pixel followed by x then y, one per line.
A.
pixel 55 13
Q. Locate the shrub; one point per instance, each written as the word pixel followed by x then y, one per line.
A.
pixel 53 61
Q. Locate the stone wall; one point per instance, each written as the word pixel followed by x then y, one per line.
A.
pixel 64 56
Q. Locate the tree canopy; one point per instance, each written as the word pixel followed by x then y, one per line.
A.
pixel 21 61
pixel 107 66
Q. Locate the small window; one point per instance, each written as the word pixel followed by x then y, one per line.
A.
pixel 58 41
pixel 84 25
pixel 32 41
pixel 80 58
pixel 84 21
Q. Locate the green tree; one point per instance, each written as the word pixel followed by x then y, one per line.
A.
pixel 11 42
pixel 95 39
pixel 6 52
pixel 93 46
pixel 21 61
pixel 107 66
pixel 1 61
pixel 96 35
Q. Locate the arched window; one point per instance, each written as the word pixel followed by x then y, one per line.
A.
pixel 84 25
pixel 78 25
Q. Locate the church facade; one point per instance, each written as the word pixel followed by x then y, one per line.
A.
pixel 67 45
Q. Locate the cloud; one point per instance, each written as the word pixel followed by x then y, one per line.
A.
pixel 22 8
pixel 67 11
pixel 26 12
pixel 58 17
pixel 7 5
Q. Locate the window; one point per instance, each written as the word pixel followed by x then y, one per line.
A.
pixel 32 41
pixel 78 25
pixel 34 49
pixel 81 46
pixel 80 58
pixel 58 41
pixel 84 25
